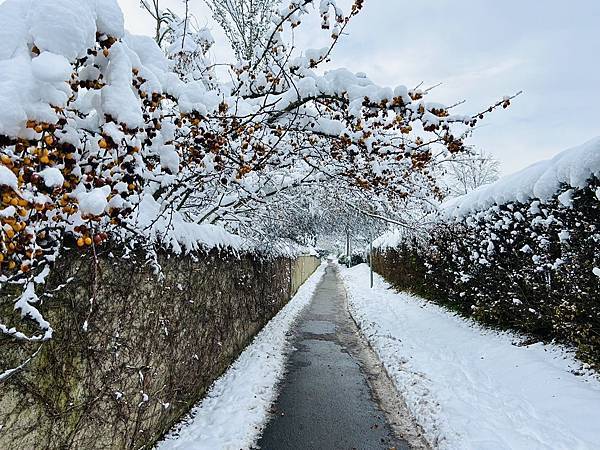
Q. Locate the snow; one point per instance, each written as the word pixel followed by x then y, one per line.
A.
pixel 573 167
pixel 148 53
pixel 596 271
pixel 237 406
pixel 471 388
pixel 169 159
pixel 64 27
pixel 109 18
pixel 184 235
pixel 93 202
pixel 389 239
pixel 564 236
pixel 566 198
pixel 7 178
pixel 51 68
pixel 62 30
pixel 13 27
pixel 118 98
pixel 52 176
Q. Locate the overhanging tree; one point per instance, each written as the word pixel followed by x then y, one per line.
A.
pixel 109 139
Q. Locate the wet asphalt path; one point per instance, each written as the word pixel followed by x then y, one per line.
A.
pixel 325 401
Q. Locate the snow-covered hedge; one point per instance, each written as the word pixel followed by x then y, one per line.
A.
pixel 523 253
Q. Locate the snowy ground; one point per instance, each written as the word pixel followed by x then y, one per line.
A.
pixel 236 407
pixel 471 388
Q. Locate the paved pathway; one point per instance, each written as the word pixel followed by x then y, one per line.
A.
pixel 325 401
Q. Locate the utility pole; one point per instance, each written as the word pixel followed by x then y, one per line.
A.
pixel 348 257
pixel 371 259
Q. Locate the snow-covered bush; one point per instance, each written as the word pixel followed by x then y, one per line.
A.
pixel 527 259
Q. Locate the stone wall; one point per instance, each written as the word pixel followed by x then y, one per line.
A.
pixel 132 350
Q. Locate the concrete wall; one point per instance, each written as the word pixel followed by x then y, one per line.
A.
pixel 151 348
pixel 301 269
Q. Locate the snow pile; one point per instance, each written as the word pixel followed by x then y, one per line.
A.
pixel 470 388
pixel 236 408
pixel 573 167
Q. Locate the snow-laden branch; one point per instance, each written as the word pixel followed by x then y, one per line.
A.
pixel 104 134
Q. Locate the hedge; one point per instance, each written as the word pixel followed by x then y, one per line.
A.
pixel 531 267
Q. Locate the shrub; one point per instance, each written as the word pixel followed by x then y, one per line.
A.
pixel 526 266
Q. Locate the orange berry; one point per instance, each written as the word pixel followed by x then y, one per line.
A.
pixel 88 240
pixel 12 265
pixel 102 143
pixel 80 242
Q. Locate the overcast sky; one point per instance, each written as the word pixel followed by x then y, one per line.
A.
pixel 480 50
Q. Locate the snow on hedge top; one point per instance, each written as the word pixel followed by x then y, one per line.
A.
pixel 573 167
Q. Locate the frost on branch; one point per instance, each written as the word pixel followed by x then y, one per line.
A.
pixel 102 136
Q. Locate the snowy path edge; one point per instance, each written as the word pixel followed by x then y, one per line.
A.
pixel 469 387
pixel 236 408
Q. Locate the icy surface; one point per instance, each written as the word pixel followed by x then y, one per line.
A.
pixel 236 408
pixel 470 388
pixel 572 167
